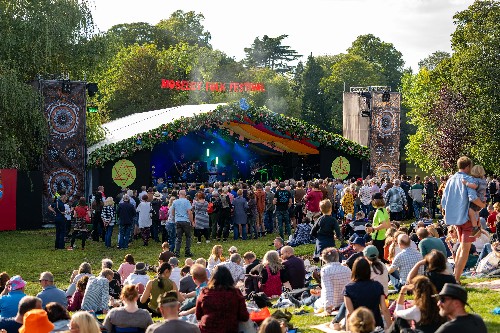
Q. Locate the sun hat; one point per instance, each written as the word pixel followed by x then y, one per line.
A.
pixel 359 241
pixel 233 249
pixel 36 321
pixel 454 291
pixel 16 282
pixel 157 195
pixel 140 268
pixel 371 252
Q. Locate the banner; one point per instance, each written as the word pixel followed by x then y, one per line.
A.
pixel 8 190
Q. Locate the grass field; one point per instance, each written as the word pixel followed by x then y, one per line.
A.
pixel 28 253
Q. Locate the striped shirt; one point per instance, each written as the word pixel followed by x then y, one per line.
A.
pixel 334 278
pixel 96 297
pixel 201 217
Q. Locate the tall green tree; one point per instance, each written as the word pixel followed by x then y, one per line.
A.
pixel 185 27
pixel 433 60
pixel 269 52
pixel 313 99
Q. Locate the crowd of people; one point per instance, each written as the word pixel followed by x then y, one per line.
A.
pixel 364 249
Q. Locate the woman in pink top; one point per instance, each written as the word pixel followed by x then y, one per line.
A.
pixel 127 267
pixel 312 200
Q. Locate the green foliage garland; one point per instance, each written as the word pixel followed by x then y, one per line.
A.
pixel 295 128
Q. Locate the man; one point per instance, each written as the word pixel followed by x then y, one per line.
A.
pixel 166 254
pixel 200 279
pixel 283 201
pixel 278 244
pixel 250 260
pixel 57 208
pixel 358 245
pixel 50 292
pixel 427 243
pixel 452 301
pixel 312 200
pixel 417 194
pixel 186 284
pixel 455 206
pixel 403 262
pixel 295 267
pixel 27 303
pixel 11 296
pixel 126 213
pixel 175 275
pixel 396 199
pixel 183 218
pixel 115 286
pixel 260 198
pixel 161 185
pixel 234 266
pixel 96 297
pixel 269 210
pixel 169 308
pixel 405 185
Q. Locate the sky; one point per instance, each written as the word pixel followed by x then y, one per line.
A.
pixel 416 28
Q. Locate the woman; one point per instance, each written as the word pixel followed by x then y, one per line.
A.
pixel 273 274
pixel 252 215
pixel 201 219
pixel 59 316
pixel 362 321
pixel 127 267
pixel 216 257
pixel 380 223
pixel 84 322
pixel 4 277
pixel 452 240
pixel 97 222
pixel 82 218
pixel 75 302
pixel 347 202
pixel 379 271
pixel 108 218
pixel 363 291
pixel 160 285
pixel 272 325
pixel 220 306
pixel 436 269
pixel 145 221
pixel 425 312
pixel 129 315
pixel 84 270
pixel 240 216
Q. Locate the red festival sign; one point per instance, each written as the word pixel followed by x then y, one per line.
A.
pixel 212 86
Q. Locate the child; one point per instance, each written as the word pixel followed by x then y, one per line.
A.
pixel 478 184
pixel 324 229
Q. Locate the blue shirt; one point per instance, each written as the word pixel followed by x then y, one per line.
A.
pixel 181 207
pixel 53 294
pixel 456 198
pixel 10 302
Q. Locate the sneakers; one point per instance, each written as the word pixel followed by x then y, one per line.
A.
pixel 476 231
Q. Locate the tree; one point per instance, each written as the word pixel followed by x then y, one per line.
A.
pixel 269 53
pixel 313 104
pixel 433 60
pixel 382 55
pixel 182 27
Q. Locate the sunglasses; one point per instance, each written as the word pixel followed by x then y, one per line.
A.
pixel 443 299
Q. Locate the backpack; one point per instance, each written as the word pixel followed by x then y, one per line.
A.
pixel 164 213
pixel 492 188
pixel 210 208
pixel 154 212
pixel 224 201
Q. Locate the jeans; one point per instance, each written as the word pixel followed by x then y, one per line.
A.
pixel 341 314
pixel 155 230
pixel 237 232
pixel 366 208
pixel 224 223
pixel 170 226
pixel 124 235
pixel 484 252
pixel 417 207
pixel 107 237
pixel 180 229
pixel 269 221
pixel 283 218
pixel 60 233
pixel 396 282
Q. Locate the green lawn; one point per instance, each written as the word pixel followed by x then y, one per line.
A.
pixel 28 253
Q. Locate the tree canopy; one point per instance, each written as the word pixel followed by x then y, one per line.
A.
pixel 269 52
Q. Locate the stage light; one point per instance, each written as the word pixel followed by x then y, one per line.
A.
pixel 203 143
pixel 212 142
pixel 208 152
pixel 216 159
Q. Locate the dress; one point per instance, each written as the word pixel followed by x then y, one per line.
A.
pixel 240 207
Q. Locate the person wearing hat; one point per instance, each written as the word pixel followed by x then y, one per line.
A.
pixel 155 216
pixel 380 224
pixel 232 249
pixel 36 321
pixel 169 306
pixel 452 302
pixel 175 275
pixel 27 303
pixel 11 296
pixel 125 213
pixel 379 270
pixel 358 246
pixel 138 276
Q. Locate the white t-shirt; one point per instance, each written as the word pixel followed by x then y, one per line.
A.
pixel 383 278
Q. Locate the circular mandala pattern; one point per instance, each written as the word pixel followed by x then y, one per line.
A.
pixel 53 153
pixel 63 179
pixel 385 124
pixel 71 153
pixel 124 173
pixel 63 119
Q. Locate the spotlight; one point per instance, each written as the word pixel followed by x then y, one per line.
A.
pixel 208 152
pixel 203 143
pixel 92 89
pixel 66 86
pixel 386 96
pixel 212 142
pixel 217 160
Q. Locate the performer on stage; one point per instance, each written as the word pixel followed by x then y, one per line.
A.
pixel 212 171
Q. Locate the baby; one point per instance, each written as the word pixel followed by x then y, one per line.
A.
pixel 478 184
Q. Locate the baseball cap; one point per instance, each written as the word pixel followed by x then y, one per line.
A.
pixel 359 241
pixel 173 261
pixel 371 252
pixel 16 282
pixel 233 249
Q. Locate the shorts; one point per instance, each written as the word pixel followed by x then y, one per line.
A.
pixel 465 232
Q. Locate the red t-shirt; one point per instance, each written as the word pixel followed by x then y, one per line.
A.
pixel 312 200
pixel 492 220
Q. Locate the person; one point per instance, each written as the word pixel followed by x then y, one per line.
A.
pixel 125 213
pixel 283 201
pixel 225 215
pixel 169 306
pixel 12 324
pixel 234 266
pixel 240 205
pixel 50 292
pixel 108 219
pixel 250 260
pixel 202 222
pixel 403 262
pixel 424 313
pixel 4 278
pixel 155 216
pixel 186 283
pixel 312 200
pixel 96 297
pixel 170 225
pixel 97 204
pixel 128 315
pixel 36 320
pixel 160 285
pixel 57 208
pixel 214 210
pixel 455 207
pixel 435 269
pixel 84 322
pixel 85 269
pixel 175 274
pixel 396 199
pixel 378 269
pixel 324 228
pixel 452 301
pixel 75 302
pixel 380 225
pixel 252 216
pixel 417 195
pixel 82 218
pixel 273 274
pixel 215 257
pixel 138 276
pixel 166 254
pixel 126 268
pixel 347 201
pixel 198 275
pixel 269 210
pixel 362 321
pixel 59 316
pixel 145 221
pixel 220 297
pixel 363 291
pixel 428 243
pixel 479 185
pixel 183 218
pixel 11 296
pixel 295 267
pixel 272 325
pixel 115 285
pixel 278 244
pixel 358 246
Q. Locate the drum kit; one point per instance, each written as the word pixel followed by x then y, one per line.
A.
pixel 259 172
